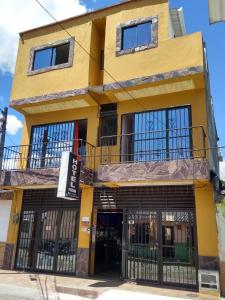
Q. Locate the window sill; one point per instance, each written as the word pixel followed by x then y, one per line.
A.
pixel 48 69
pixel 136 49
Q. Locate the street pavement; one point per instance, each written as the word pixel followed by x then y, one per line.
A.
pixel 26 286
pixel 14 292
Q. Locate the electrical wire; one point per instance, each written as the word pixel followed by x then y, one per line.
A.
pixel 93 58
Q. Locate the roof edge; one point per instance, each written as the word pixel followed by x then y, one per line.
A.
pixel 77 17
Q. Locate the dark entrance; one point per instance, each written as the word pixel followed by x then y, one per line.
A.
pixel 108 249
pixel 159 243
pixel 48 233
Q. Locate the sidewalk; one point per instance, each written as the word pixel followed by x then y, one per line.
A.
pixel 43 287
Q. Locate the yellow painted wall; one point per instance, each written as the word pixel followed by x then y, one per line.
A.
pixel 54 81
pixel 206 220
pixel 84 71
pixel 15 209
pixel 169 55
pixel 195 98
pixel 85 211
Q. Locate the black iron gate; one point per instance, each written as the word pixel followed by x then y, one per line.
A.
pixel 47 239
pixel 160 246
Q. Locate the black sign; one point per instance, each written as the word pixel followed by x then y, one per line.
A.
pixel 73 177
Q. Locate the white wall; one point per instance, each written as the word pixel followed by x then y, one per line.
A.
pixel 222 170
pixel 221 228
pixel 5 208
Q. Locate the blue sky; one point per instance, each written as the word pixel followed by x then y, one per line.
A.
pixel 196 18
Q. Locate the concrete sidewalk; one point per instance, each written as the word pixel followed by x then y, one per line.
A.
pixel 20 285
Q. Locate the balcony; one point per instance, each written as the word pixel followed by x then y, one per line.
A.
pixel 164 155
pixel 38 164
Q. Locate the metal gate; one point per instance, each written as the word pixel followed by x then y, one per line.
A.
pixel 47 239
pixel 160 246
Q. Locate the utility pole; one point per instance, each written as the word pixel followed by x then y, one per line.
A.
pixel 3 122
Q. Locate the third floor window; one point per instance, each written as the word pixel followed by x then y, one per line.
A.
pixel 136 36
pixel 52 56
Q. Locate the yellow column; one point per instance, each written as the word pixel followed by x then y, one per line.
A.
pixel 94 227
pixel 84 236
pixel 206 220
pixel 13 230
pixel 206 230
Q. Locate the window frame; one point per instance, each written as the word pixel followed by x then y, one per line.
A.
pixel 70 41
pixel 119 35
pixel 112 140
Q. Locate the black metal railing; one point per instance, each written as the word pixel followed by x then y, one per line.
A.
pixel 171 144
pixel 46 155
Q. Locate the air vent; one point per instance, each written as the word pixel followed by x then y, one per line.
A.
pixel 209 280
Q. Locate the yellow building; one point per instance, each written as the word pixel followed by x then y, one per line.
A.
pixel 126 90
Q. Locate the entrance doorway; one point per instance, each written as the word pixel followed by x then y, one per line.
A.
pixel 160 246
pixel 47 240
pixel 108 248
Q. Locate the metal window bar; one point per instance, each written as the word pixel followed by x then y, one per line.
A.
pixel 157 145
pixel 33 157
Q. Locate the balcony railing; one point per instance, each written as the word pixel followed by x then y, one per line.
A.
pixel 171 144
pixel 46 155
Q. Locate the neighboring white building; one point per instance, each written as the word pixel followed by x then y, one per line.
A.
pixel 222 170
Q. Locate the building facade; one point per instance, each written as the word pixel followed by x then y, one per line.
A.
pixel 127 91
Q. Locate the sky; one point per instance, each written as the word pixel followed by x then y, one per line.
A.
pixel 17 15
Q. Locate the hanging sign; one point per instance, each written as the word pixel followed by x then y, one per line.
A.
pixel 69 177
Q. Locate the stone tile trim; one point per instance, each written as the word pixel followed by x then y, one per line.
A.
pixel 160 170
pixel 71 41
pixel 82 262
pixel 49 97
pixel 8 257
pixel 6 195
pixel 154 78
pixel 222 278
pixel 2 253
pixel 111 86
pixel 154 35
pixel 40 177
pixel 209 263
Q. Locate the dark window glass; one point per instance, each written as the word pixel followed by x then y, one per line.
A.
pixel 51 56
pixel 108 125
pixel 138 35
pixel 102 60
pixel 49 141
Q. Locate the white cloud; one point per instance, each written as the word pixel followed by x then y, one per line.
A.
pixel 222 170
pixel 20 15
pixel 13 125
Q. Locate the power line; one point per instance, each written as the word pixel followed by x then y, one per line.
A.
pixel 90 55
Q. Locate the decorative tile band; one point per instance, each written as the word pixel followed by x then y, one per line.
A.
pixel 111 86
pixel 8 257
pixel 154 35
pixel 6 195
pixel 82 264
pixel 71 41
pixel 49 97
pixel 40 177
pixel 154 78
pixel 209 263
pixel 164 170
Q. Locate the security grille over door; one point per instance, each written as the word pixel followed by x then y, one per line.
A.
pixel 160 246
pixel 48 233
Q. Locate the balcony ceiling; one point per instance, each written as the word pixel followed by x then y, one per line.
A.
pixel 71 104
pixel 144 87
